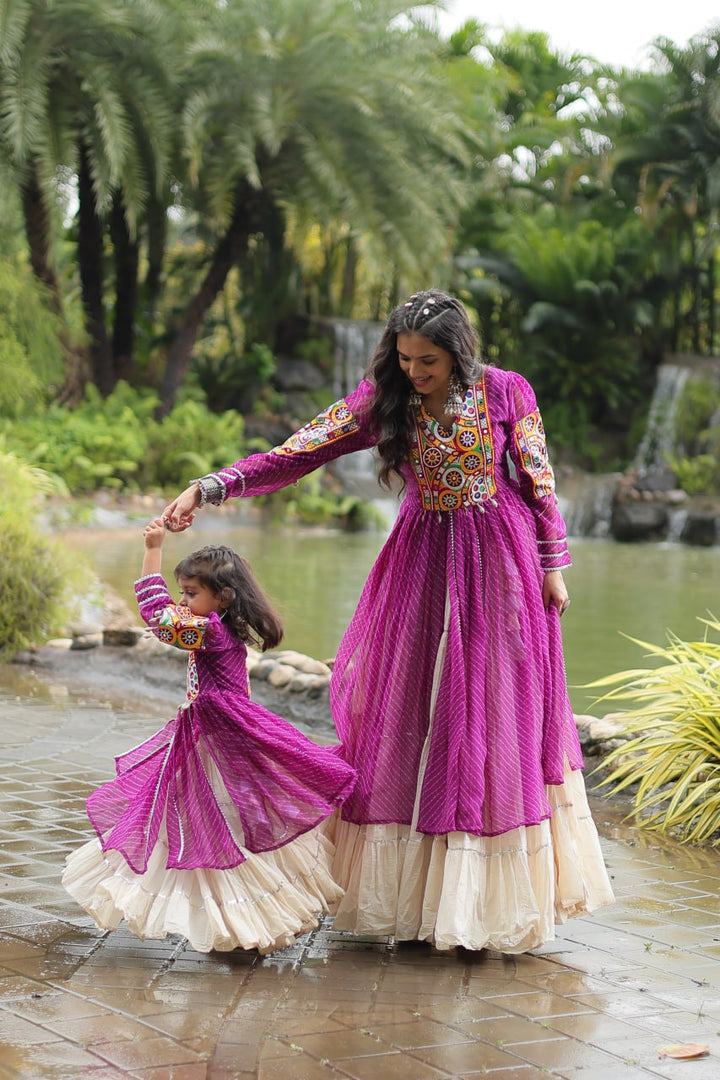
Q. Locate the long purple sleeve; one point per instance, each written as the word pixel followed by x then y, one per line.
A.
pixel 529 454
pixel 340 429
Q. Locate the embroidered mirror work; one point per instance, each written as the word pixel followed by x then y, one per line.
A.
pixel 335 423
pixel 532 447
pixel 455 468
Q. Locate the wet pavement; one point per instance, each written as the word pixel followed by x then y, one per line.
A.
pixel 596 1004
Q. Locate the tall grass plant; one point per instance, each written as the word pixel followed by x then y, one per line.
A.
pixel 671 761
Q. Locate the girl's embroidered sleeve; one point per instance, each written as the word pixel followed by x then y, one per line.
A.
pixel 170 623
pixel 529 453
pixel 340 429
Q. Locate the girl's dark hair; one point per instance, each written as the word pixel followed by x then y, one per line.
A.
pixel 441 319
pixel 250 615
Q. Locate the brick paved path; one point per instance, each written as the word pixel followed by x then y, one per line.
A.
pixel 76 1003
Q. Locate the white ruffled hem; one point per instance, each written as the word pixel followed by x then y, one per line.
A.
pixel 265 903
pixel 502 892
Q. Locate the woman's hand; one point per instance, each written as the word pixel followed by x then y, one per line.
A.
pixel 554 592
pixel 180 513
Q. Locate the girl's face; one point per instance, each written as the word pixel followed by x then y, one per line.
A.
pixel 198 597
pixel 427 366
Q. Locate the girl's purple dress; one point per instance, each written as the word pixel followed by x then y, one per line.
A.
pixel 469 823
pixel 208 829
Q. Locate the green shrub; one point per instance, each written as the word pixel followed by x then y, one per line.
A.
pixel 316 501
pixel 191 441
pixel 231 377
pixel 699 401
pixel 36 573
pixel 698 475
pixel 30 349
pixel 101 443
pixel 114 442
pixel 673 753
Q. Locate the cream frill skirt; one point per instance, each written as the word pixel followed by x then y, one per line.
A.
pixel 264 903
pixel 503 892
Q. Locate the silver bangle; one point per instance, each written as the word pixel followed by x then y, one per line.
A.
pixel 212 490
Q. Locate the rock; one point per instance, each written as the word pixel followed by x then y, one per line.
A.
pixel 59 643
pixel 87 641
pixel 317 686
pixel 281 675
pixel 599 735
pixel 303 663
pixel 298 375
pixel 262 669
pixel 656 480
pixel 116 613
pixel 84 629
pixel 701 528
pixel 274 432
pixel 639 521
pixel 128 635
pixel 300 683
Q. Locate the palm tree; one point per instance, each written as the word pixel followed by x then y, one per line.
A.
pixel 330 107
pixel 667 159
pixel 84 89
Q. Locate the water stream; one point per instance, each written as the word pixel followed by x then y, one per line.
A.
pixel 316 577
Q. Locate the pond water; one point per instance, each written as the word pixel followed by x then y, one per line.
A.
pixel 316 576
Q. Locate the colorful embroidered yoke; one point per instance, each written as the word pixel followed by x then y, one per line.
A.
pixel 455 468
pixel 279 782
pixel 448 689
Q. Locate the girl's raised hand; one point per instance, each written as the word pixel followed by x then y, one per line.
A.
pixel 154 533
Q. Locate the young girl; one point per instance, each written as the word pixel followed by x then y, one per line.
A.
pixel 208 830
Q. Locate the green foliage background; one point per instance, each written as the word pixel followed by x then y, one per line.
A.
pixel 37 575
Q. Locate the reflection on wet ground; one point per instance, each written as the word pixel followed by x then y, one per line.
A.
pixel 596 1004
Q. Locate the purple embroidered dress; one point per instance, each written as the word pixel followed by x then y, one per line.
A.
pixel 189 828
pixel 468 823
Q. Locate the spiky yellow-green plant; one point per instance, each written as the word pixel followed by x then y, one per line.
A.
pixel 673 753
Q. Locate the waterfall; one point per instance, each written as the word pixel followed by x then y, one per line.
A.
pixel 354 343
pixel 585 503
pixel 658 441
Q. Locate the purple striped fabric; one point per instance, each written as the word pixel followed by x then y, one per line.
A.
pixel 502 723
pixel 281 782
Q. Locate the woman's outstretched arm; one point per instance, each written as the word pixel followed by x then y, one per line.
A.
pixel 340 429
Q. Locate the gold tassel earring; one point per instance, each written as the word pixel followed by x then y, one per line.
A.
pixel 453 405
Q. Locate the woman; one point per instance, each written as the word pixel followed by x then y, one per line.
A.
pixel 469 824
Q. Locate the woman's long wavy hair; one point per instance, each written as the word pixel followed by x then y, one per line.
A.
pixel 250 615
pixel 441 319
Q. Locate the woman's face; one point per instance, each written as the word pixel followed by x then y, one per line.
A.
pixel 427 366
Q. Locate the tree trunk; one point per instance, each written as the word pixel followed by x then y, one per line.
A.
pixel 38 233
pixel 694 292
pixel 347 294
pixel 126 291
pixel 245 221
pixel 90 258
pixel 712 329
pixel 156 218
